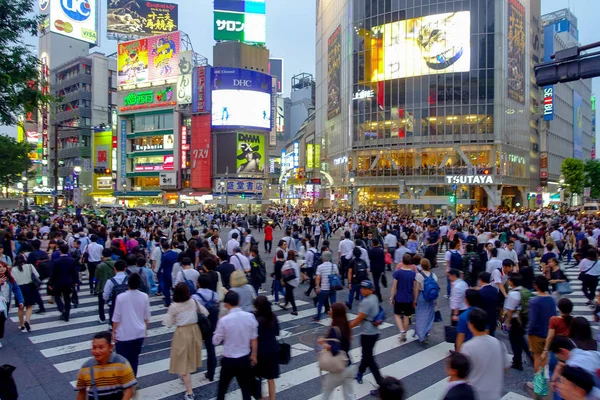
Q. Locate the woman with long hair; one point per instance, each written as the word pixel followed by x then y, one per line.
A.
pixel 425 312
pixel 289 282
pixel 267 366
pixel 590 267
pixel 186 346
pixel 8 286
pixel 22 274
pixel 338 338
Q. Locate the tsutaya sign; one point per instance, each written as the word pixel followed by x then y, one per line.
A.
pixel 470 179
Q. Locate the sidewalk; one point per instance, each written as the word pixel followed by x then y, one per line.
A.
pixel 35 376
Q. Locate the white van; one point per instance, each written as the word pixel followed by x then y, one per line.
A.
pixel 591 208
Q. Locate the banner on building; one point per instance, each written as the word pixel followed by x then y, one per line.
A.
pixel 201 153
pixel 250 153
pixel 544 168
pixel 184 81
pixel 201 93
pixel 168 180
pixel 140 18
pixel 123 148
pixel 516 51
pixel 334 63
pixel 246 186
pixel 577 126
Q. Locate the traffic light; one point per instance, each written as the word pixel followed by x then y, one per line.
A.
pixel 568 65
pixel 243 195
pixel 486 172
pixel 103 171
pixel 528 196
pixel 107 171
pixel 452 198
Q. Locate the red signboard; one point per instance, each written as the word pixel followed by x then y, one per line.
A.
pixel 201 152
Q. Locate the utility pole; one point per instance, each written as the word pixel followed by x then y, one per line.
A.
pixel 56 169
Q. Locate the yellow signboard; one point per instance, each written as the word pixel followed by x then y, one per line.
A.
pixel 310 156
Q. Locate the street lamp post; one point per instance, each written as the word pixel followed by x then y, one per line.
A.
pixel 352 193
pixel 24 179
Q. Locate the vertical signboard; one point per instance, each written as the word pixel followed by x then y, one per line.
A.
pixel 273 133
pixel 201 153
pixel 544 168
pixel 310 156
pixel 201 94
pixel 548 90
pixel 593 128
pixel 317 156
pixel 184 81
pixel 123 142
pixel 45 89
pixel 577 126
pixel 516 51
pixel 334 63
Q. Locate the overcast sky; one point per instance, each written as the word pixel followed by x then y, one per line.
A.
pixel 291 31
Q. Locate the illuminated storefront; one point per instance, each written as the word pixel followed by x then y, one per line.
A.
pixel 103 185
pixel 429 99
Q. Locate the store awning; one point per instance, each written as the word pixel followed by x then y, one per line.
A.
pixel 101 194
pixel 138 194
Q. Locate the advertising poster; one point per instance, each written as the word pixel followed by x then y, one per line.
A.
pixel 163 56
pixel 241 6
pixel 577 126
pixel 433 44
pixel 334 78
pixel 249 28
pixel 77 19
pixel 241 98
pixel 184 81
pixel 141 18
pixel 201 153
pixel 201 93
pixel 132 62
pixel 250 153
pixel 516 51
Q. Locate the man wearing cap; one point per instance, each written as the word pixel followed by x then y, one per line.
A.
pixel 368 309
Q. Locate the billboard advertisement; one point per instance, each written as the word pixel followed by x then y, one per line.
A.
pixel 201 153
pixel 241 98
pixel 242 6
pixel 516 51
pixel 276 69
pixel 433 44
pixel 250 155
pixel 76 19
pixel 334 78
pixel 242 27
pixel 201 94
pixel 149 59
pixel 102 158
pixel 577 126
pixel 141 18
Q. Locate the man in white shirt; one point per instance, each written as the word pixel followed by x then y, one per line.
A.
pixel 232 244
pixel 238 331
pixel 118 279
pixel 239 261
pixel 494 263
pixel 390 242
pixel 130 321
pixel 457 295
pixel 187 273
pixel 322 283
pixel 345 254
pixel 234 230
pixel 487 356
pixel 400 252
pixel 516 329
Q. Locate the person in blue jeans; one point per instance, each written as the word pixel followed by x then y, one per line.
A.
pixel 169 258
pixel 357 272
pixel 322 283
pixel 276 275
pixel 463 333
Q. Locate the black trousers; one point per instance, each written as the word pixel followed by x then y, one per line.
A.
pixel 268 246
pixel 367 343
pixel 518 343
pixel 92 272
pixel 289 296
pixel 344 269
pixel 211 357
pixel 101 307
pixel 588 286
pixel 62 296
pixel 376 280
pixel 239 368
pixel 2 322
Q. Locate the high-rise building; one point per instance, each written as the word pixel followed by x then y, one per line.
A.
pixel 418 101
pixel 567 106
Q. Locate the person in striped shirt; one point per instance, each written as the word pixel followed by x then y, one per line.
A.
pixel 113 377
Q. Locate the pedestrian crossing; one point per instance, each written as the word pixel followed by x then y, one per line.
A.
pixel 66 345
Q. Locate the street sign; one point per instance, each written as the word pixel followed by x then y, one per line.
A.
pixel 540 189
pixel 587 192
pixel 539 199
pixel 454 187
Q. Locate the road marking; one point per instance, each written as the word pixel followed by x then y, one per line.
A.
pixel 433 392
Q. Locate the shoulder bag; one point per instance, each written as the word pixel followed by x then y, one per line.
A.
pixel 582 274
pixel 93 388
pixel 330 363
pixel 335 281
pixel 34 278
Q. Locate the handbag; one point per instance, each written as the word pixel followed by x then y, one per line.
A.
pixel 438 316
pixel 7 383
pixel 450 334
pixel 335 281
pixel 257 388
pixel 330 363
pixel 285 353
pixel 204 324
pixel 384 281
pixel 540 386
pixel 288 274
pixel 564 288
pixel 387 258
pixel 582 274
pixel 34 278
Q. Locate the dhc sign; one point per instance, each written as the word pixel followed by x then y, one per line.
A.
pixel 470 180
pixel 549 103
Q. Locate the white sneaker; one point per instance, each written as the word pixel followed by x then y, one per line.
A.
pixel 188 397
pixel 0 344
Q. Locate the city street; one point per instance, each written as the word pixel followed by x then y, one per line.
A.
pixel 49 357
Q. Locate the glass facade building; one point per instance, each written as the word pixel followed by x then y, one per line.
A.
pixel 413 95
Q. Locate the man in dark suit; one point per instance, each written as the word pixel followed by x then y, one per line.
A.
pixel 489 300
pixel 62 280
pixel 486 254
pixel 225 268
pixel 458 368
pixel 377 261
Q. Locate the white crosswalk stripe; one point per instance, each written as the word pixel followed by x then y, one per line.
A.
pixel 67 346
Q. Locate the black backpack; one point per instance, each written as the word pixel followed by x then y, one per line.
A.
pixel 258 270
pixel 360 270
pixel 208 324
pixel 317 260
pixel 117 289
pixel 143 287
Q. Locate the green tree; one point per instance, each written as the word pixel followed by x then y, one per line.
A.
pixel 592 177
pixel 14 160
pixel 19 66
pixel 573 171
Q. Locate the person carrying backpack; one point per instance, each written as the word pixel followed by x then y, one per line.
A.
pixel 187 275
pixel 104 271
pixel 472 266
pixel 358 271
pixel 114 287
pixel 132 266
pixel 516 306
pixel 210 300
pixel 428 294
pixel 258 270
pixel 453 261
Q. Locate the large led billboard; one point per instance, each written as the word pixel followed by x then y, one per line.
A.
pixel 243 27
pixel 149 59
pixel 241 98
pixel 242 6
pixel 141 18
pixel 434 44
pixel 76 19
